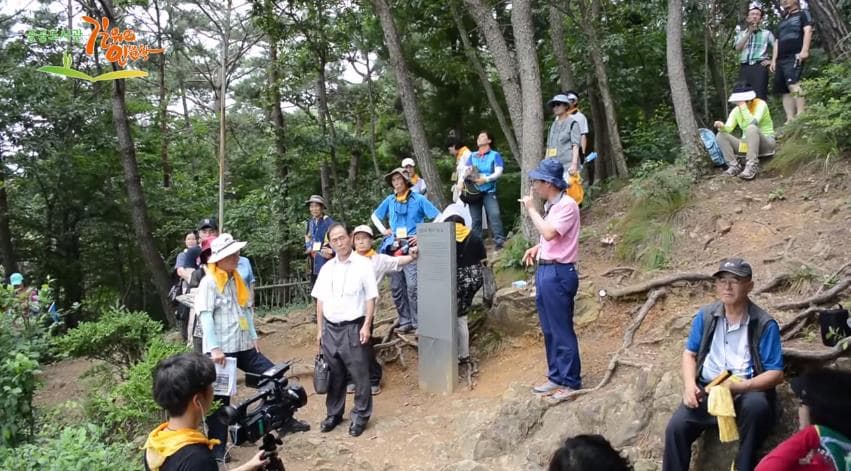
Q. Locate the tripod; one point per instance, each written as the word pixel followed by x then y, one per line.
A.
pixel 270 447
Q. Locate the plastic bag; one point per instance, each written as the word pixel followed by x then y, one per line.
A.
pixel 575 190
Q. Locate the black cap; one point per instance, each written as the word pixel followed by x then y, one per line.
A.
pixel 208 222
pixel 735 266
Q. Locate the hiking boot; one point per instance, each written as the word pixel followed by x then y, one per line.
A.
pixel 733 169
pixel 375 390
pixel 750 171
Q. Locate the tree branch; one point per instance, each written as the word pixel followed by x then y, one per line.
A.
pixel 827 297
pixel 642 287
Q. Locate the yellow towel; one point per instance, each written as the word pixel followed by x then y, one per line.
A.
pixel 720 404
pixel 163 443
pixel 221 278
pixel 461 232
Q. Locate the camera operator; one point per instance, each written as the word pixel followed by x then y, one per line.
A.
pixel 183 386
pixel 228 325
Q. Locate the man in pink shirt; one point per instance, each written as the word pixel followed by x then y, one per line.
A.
pixel 556 279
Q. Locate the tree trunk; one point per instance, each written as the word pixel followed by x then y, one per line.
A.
pixel 7 252
pixel 325 123
pixel 496 107
pixel 832 28
pixel 151 258
pixel 276 117
pixel 614 138
pixel 136 197
pixel 602 166
pixel 354 163
pixel 163 104
pixel 506 65
pixel 683 111
pixel 409 103
pixel 373 139
pixel 557 36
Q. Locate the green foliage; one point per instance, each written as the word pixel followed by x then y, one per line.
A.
pixel 777 195
pixel 128 409
pixel 119 337
pixel 648 228
pixel 511 255
pixel 24 343
pixel 802 277
pixel 653 138
pixel 77 448
pixel 821 132
pixel 19 369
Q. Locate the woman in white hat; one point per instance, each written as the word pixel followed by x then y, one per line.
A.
pixel 752 116
pixel 418 185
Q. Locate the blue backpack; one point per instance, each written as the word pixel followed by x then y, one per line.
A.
pixel 708 138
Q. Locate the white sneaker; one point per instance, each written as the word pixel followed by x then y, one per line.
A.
pixel 546 388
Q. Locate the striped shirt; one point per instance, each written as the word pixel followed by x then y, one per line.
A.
pixel 756 49
pixel 225 331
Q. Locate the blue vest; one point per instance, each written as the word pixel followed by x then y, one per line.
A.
pixel 486 165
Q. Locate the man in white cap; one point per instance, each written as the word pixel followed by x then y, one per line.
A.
pixel 418 185
pixel 752 116
pixel 222 303
pixel 382 264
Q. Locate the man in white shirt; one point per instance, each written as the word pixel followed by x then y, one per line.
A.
pixel 345 293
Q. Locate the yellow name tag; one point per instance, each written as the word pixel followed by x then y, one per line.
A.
pixel 243 323
pixel 401 232
pixel 743 147
pixel 552 151
pixel 317 246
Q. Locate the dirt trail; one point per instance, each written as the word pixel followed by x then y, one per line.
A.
pixel 777 223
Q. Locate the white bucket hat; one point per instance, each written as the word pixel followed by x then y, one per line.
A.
pixel 408 161
pixel 742 93
pixel 224 246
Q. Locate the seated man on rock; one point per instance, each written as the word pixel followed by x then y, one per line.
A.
pixel 751 115
pixel 730 335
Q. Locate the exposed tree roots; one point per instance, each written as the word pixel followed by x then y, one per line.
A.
pixel 615 293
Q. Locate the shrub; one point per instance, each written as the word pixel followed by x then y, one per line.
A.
pixel 511 255
pixel 119 338
pixel 19 367
pixel 648 227
pixel 821 132
pixel 78 448
pixel 128 409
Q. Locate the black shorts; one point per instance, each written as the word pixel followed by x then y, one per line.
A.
pixel 788 73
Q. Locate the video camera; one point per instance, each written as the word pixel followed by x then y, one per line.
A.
pixel 270 409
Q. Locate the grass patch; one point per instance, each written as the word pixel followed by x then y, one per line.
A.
pixel 648 228
pixel 802 278
pixel 797 152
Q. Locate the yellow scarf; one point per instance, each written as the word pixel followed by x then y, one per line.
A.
pixel 461 232
pixel 369 254
pixel 414 179
pixel 221 278
pixel 404 196
pixel 163 443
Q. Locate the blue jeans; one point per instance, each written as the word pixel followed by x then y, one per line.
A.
pixel 403 286
pixel 557 285
pixel 491 206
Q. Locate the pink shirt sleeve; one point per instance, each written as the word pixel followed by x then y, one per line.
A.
pixel 563 217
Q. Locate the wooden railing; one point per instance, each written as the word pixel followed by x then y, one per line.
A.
pixel 279 295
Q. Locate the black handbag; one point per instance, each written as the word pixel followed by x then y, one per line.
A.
pixel 471 194
pixel 834 325
pixel 321 374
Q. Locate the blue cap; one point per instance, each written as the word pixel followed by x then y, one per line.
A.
pixel 16 279
pixel 550 171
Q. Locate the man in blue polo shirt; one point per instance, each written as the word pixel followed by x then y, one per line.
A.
pixel 735 335
pixel 404 209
